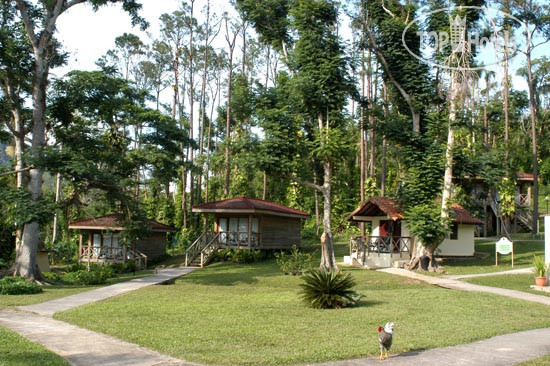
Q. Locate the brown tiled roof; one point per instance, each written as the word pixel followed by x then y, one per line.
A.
pixel 463 216
pixel 382 206
pixel 113 222
pixel 379 206
pixel 525 176
pixel 248 205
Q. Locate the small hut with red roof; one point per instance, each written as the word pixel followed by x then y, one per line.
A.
pixel 391 241
pixel 251 223
pixel 100 241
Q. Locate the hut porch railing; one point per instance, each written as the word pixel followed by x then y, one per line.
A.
pixel 379 245
pixel 113 255
pixel 238 239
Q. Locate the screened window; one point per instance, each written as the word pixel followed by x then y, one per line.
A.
pixel 234 230
pixel 96 241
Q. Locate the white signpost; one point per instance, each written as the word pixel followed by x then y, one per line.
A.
pixel 504 247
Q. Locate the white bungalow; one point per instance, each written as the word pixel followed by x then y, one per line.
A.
pixel 390 240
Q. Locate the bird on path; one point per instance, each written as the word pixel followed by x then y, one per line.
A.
pixel 385 338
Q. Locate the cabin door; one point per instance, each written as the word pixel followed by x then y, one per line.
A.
pixel 390 228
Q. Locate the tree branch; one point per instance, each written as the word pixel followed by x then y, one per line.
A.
pixel 402 91
pixel 27 22
pixel 17 171
pixel 303 182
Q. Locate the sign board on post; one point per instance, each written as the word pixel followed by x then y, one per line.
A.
pixel 504 246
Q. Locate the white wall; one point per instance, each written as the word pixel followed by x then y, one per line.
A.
pixel 463 246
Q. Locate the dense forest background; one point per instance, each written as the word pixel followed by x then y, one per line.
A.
pixel 302 102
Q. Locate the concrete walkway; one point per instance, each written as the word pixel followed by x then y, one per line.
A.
pixel 505 350
pixel 65 303
pixel 464 286
pixel 513 271
pixel 82 347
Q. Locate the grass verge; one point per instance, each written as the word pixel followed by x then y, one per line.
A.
pixel 519 282
pixel 18 351
pixel 524 250
pixel 541 361
pixel 251 314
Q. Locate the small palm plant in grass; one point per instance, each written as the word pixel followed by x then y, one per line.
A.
pixel 328 290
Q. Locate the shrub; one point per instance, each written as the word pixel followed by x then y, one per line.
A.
pixel 51 276
pixel 83 277
pixel 241 256
pixel 18 286
pixel 296 262
pixel 131 266
pixel 328 290
pixel 76 267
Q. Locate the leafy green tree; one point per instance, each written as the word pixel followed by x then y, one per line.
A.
pixel 318 89
pixel 426 224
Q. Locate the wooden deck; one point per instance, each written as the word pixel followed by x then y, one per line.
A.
pixel 112 255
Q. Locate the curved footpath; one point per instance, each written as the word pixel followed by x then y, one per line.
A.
pixel 82 347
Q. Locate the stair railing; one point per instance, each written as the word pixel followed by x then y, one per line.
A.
pixel 138 257
pixel 208 249
pixel 495 205
pixel 194 249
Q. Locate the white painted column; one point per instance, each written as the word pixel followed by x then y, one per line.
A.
pixel 547 238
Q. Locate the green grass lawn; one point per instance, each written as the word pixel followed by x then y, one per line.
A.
pixel 251 314
pixel 520 282
pixel 523 257
pixel 57 291
pixel 541 361
pixel 18 351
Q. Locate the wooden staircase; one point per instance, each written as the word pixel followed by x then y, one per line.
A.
pixel 200 252
pixel 523 214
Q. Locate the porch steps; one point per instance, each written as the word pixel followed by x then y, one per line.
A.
pixel 200 252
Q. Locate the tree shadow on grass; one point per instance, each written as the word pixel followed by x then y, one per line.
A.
pixel 228 274
pixel 365 303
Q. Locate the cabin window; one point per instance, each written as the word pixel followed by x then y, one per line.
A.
pixel 454 232
pixel 234 230
pixel 96 241
pixel 255 225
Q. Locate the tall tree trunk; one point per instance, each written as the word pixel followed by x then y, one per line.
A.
pixel 19 138
pixel 190 150
pixel 209 137
pixel 370 97
pixel 362 142
pixel 56 215
pixel 266 81
pixel 384 142
pixel 231 44
pixel 506 97
pixel 316 199
pixel 25 260
pixel 328 261
pixel 533 115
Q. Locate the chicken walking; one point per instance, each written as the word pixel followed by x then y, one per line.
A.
pixel 385 337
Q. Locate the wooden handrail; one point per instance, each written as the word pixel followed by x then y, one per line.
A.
pixel 121 254
pixel 380 245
